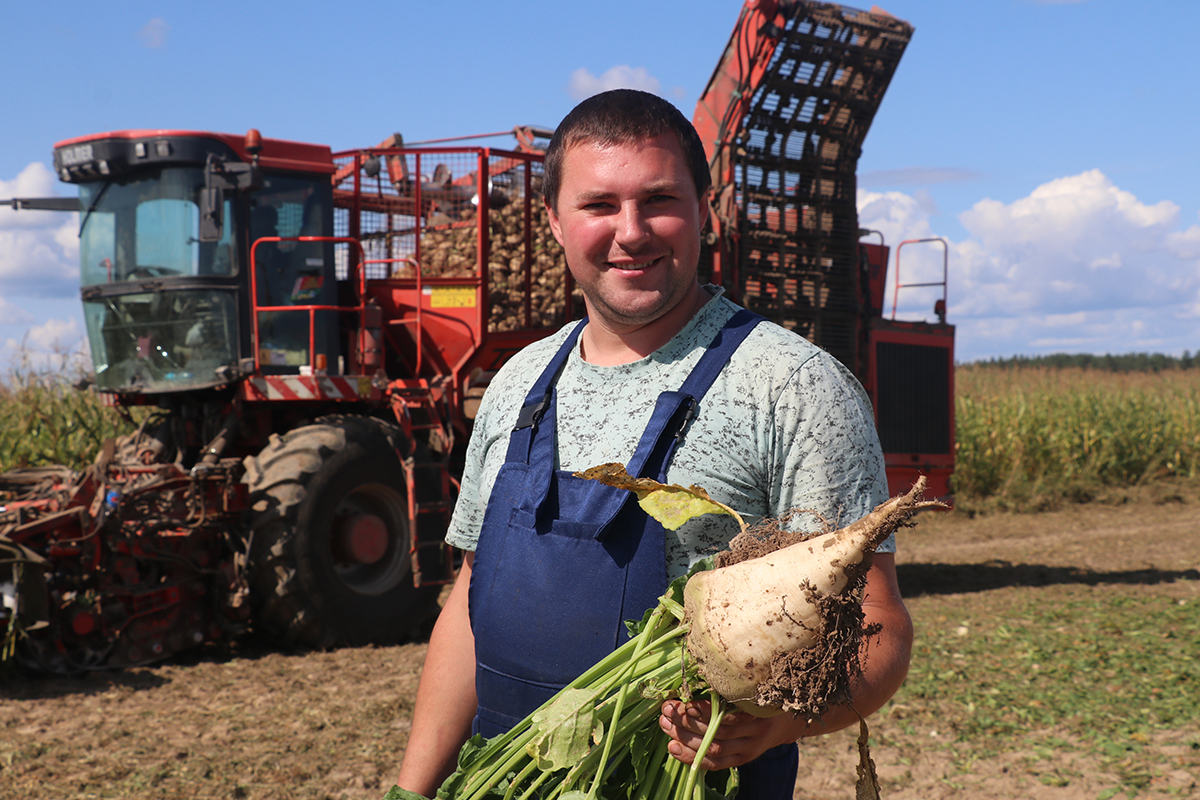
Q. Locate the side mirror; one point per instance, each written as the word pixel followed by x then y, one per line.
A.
pixel 219 176
pixel 212 213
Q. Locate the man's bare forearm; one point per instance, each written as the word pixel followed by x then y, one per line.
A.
pixel 445 696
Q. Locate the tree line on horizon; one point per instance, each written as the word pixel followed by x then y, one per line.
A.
pixel 1123 362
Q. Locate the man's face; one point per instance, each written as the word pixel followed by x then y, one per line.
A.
pixel 629 220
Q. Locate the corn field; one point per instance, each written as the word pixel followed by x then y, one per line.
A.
pixel 1034 434
pixel 44 420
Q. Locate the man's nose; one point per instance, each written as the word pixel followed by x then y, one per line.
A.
pixel 633 227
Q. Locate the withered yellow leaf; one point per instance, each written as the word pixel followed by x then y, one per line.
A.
pixel 670 504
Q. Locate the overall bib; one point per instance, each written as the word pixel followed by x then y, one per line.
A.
pixel 562 562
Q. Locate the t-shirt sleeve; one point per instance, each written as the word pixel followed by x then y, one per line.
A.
pixel 467 519
pixel 827 459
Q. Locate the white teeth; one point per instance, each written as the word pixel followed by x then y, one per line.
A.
pixel 640 265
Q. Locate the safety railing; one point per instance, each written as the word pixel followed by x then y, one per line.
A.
pixel 940 306
pixel 258 309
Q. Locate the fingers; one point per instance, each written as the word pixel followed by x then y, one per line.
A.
pixel 684 726
pixel 735 742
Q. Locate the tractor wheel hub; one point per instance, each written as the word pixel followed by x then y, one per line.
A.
pixel 360 539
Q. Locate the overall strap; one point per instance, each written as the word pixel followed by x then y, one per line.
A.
pixel 539 400
pixel 675 410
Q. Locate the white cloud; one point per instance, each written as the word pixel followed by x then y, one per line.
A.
pixel 1185 244
pixel 39 250
pixel 56 345
pixel 1078 265
pixel 154 33
pixel 36 180
pixel 1163 330
pixel 1082 231
pixel 54 334
pixel 14 314
pixel 896 215
pixel 40 261
pixel 584 84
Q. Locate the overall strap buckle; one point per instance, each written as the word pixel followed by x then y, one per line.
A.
pixel 689 414
pixel 532 414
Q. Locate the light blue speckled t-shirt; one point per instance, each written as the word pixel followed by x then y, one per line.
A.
pixel 785 426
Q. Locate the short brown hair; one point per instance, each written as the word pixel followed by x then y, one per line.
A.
pixel 617 117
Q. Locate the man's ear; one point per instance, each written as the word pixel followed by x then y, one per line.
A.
pixel 555 226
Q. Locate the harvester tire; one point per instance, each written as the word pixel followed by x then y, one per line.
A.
pixel 303 486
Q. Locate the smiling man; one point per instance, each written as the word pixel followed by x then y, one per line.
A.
pixel 678 383
pixel 629 218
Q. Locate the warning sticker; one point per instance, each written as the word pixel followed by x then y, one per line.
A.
pixel 451 296
pixel 306 289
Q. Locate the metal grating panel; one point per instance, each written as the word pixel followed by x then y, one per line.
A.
pixel 794 168
pixel 419 209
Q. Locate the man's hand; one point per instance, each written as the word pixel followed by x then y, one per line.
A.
pixel 741 738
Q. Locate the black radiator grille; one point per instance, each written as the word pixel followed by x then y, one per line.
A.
pixel 913 398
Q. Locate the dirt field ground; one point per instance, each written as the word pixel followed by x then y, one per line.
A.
pixel 246 721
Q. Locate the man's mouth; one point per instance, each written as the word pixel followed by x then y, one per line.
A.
pixel 633 266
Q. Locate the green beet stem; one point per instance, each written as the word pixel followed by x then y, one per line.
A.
pixel 622 693
pixel 669 785
pixel 512 787
pixel 537 783
pixel 714 721
pixel 656 768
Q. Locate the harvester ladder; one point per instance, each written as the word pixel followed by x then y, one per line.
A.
pixel 431 489
pixel 429 519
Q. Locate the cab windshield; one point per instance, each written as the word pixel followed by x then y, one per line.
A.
pixel 148 227
pixel 162 341
pixel 162 338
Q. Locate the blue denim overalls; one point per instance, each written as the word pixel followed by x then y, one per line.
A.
pixel 562 561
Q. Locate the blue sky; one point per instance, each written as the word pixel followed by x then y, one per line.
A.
pixel 1052 144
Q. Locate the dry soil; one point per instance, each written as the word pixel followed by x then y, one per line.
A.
pixel 250 721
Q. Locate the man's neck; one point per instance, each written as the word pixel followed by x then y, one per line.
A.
pixel 606 345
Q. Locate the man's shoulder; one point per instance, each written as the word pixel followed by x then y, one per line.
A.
pixel 766 334
pixel 772 349
pixel 534 357
pixel 775 359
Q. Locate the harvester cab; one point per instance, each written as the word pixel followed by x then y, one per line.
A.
pixel 168 228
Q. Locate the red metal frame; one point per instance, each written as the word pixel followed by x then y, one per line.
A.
pixel 723 105
pixel 450 342
pixel 941 283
